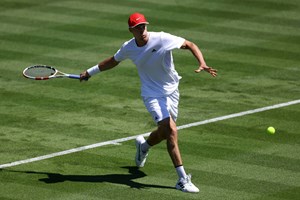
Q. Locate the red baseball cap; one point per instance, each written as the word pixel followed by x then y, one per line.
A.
pixel 136 19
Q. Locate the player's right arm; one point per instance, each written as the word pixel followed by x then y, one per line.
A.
pixel 106 64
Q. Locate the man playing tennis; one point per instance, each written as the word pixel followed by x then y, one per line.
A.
pixel 151 52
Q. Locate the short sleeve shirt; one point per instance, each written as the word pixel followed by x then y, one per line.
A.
pixel 154 62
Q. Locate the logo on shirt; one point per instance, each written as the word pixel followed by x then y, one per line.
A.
pixel 154 50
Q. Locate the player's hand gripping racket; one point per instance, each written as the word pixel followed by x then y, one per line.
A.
pixel 44 72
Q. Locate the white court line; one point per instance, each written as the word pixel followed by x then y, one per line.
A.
pixel 117 141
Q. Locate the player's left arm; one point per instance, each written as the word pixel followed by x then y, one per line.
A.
pixel 199 56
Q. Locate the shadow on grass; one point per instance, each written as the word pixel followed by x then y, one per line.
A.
pixel 123 179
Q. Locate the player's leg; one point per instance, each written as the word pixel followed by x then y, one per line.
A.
pixel 167 130
pixel 163 132
pixel 164 111
pixel 143 146
pixel 157 107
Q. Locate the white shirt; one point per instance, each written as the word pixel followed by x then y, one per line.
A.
pixel 154 62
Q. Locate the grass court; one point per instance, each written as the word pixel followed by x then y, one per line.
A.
pixel 253 44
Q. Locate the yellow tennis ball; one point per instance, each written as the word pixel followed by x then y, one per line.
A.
pixel 271 130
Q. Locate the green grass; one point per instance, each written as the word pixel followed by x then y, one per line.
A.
pixel 253 44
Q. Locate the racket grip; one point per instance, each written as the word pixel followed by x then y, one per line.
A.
pixel 74 76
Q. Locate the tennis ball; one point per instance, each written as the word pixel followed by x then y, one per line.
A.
pixel 271 130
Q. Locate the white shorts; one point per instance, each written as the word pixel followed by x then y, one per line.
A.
pixel 163 107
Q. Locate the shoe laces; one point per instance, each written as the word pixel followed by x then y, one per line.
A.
pixel 186 180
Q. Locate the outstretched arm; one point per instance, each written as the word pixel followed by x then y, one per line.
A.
pixel 102 66
pixel 199 56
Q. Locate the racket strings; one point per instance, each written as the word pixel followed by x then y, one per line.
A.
pixel 40 71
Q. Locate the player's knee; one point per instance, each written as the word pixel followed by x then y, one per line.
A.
pixel 172 134
pixel 168 128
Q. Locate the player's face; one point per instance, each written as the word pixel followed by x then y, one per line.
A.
pixel 139 32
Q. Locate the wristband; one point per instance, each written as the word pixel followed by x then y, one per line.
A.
pixel 93 70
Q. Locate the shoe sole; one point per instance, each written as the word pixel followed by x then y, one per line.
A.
pixel 182 190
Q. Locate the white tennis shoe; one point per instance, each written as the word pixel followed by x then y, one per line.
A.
pixel 185 185
pixel 140 157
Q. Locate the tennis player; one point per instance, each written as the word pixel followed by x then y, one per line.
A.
pixel 151 52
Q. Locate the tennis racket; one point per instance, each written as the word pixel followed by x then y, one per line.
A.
pixel 44 72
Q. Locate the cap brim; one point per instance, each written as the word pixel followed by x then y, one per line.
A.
pixel 138 24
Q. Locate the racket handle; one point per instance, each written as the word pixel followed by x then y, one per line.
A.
pixel 74 76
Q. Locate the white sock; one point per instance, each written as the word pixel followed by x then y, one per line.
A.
pixel 180 171
pixel 145 146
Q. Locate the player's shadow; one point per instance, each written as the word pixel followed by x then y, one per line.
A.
pixel 123 179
